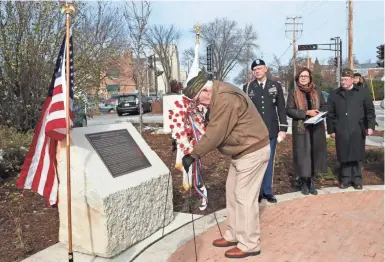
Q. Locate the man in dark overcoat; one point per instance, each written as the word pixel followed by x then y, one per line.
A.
pixel 351 117
pixel 269 100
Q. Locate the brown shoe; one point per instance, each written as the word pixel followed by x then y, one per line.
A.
pixel 237 253
pixel 223 243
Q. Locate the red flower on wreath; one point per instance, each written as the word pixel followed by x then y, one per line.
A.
pixel 171 126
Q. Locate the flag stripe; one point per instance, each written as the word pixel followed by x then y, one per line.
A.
pixel 39 169
pixel 45 185
pixel 26 170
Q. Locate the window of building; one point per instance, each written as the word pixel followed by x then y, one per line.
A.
pixel 113 73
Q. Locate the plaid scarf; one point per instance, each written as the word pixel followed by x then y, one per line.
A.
pixel 300 97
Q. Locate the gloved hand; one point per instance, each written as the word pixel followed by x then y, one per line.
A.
pixel 207 116
pixel 187 161
pixel 174 146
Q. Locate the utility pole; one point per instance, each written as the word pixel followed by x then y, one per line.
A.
pixel 156 78
pixel 294 40
pixel 350 30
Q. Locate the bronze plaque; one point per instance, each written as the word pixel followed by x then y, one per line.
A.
pixel 118 151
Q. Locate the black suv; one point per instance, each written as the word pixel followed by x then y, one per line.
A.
pixel 129 103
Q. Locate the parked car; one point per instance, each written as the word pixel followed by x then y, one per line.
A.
pixel 105 107
pixel 129 103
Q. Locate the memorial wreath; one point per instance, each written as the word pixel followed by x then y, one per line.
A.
pixel 187 127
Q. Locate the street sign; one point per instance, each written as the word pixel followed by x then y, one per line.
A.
pixel 307 47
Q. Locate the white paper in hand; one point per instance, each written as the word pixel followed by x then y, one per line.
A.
pixel 316 119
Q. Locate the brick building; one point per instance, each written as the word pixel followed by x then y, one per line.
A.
pixel 119 78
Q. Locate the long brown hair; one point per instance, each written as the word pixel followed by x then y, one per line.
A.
pixel 299 97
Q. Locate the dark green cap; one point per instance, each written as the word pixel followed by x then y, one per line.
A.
pixel 195 85
pixel 346 72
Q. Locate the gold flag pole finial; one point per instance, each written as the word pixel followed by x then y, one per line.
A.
pixel 67 8
pixel 197 29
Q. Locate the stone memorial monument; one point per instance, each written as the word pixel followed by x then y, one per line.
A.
pixel 121 190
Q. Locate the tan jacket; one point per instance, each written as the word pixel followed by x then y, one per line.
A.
pixel 235 126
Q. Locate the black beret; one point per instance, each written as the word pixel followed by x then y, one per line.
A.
pixel 257 62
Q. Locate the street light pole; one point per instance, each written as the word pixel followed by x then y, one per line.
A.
pixel 338 61
pixel 337 52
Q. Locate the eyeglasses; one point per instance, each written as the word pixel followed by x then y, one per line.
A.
pixel 304 76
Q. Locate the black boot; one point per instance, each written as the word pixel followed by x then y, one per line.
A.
pixel 304 186
pixel 312 188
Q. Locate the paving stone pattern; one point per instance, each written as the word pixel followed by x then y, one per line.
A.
pixel 333 227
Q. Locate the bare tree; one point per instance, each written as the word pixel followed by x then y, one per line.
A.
pixel 245 60
pixel 100 42
pixel 286 72
pixel 137 15
pixel 243 77
pixel 30 38
pixel 188 58
pixel 230 44
pixel 27 52
pixel 162 40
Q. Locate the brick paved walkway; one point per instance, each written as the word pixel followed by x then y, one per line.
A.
pixel 334 227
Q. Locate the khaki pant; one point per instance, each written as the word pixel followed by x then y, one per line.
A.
pixel 242 190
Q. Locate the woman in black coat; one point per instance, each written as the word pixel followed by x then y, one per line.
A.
pixel 309 141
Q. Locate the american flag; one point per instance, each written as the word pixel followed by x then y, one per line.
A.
pixel 39 169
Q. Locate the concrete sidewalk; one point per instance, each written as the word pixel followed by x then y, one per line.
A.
pixel 346 226
pixel 337 225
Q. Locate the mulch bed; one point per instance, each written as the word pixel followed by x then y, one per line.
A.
pixel 27 225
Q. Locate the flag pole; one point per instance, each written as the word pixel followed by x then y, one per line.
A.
pixel 68 7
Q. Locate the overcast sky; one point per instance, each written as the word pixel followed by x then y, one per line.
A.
pixel 321 21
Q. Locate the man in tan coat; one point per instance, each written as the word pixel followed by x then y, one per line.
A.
pixel 236 129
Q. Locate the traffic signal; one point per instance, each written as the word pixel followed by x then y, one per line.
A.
pixel 380 55
pixel 159 73
pixel 335 61
pixel 307 47
pixel 150 61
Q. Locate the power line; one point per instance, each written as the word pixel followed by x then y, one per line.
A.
pixel 316 8
pixel 294 30
pixel 285 51
pixel 327 19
